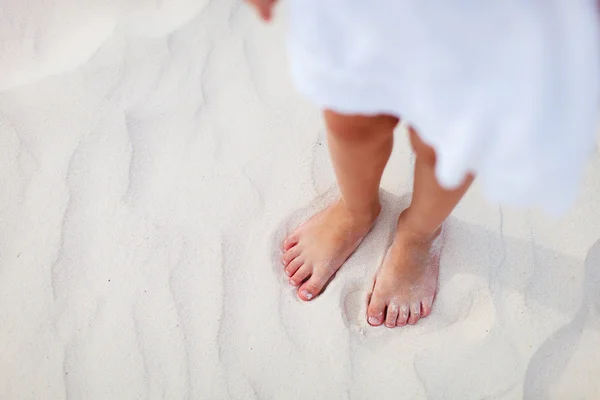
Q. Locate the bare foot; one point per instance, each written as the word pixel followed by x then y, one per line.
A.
pixel 318 248
pixel 406 283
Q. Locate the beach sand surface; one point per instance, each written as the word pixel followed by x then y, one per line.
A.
pixel 154 155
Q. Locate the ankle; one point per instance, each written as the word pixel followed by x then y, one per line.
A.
pixel 363 213
pixel 410 224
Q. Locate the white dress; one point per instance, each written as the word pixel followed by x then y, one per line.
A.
pixel 506 89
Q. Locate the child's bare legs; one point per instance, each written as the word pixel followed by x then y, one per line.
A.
pixel 405 285
pixel 360 147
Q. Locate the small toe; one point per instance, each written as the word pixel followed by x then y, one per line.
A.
pixel 290 255
pixel 415 313
pixel 391 316
pixel 312 287
pixel 375 311
pixel 290 242
pixel 426 306
pixel 403 315
pixel 300 275
pixel 294 266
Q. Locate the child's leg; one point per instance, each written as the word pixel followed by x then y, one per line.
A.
pixel 360 147
pixel 405 285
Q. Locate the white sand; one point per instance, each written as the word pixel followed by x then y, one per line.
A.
pixel 152 158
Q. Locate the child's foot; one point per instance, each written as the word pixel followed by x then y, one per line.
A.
pixel 406 283
pixel 318 248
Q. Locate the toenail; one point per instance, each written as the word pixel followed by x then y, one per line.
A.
pixel 293 282
pixel 373 320
pixel 306 294
pixel 288 273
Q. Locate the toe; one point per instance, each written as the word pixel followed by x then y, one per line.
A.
pixel 375 311
pixel 391 316
pixel 290 242
pixel 294 266
pixel 312 287
pixel 415 313
pixel 290 255
pixel 402 315
pixel 426 306
pixel 303 272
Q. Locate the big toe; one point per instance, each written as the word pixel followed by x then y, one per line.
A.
pixel 375 310
pixel 312 287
